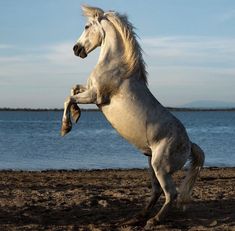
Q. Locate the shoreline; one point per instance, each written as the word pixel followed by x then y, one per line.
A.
pixel 102 200
pixel 186 109
pixel 103 170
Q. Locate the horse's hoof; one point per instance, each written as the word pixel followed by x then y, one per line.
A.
pixel 75 112
pixel 136 222
pixel 65 128
pixel 151 223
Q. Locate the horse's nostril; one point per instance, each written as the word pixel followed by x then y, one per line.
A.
pixel 75 47
pixel 79 50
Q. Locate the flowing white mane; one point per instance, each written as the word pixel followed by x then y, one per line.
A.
pixel 132 57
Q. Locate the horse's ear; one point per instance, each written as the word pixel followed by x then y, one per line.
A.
pixel 92 12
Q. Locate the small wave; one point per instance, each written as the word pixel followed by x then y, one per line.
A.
pixel 215 129
pixel 29 121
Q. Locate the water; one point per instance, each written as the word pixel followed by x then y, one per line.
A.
pixel 31 141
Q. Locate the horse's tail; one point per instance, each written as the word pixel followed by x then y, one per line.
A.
pixel 197 158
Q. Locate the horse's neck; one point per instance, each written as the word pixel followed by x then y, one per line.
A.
pixel 110 61
pixel 111 48
pixel 112 55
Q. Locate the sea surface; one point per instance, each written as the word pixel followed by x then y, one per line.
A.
pixel 30 140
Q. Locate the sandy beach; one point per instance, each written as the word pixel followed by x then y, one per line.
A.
pixel 104 199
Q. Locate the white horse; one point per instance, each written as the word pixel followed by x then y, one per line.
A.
pixel 118 86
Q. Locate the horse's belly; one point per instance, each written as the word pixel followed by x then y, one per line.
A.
pixel 130 123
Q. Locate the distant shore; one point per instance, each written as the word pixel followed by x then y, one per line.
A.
pixel 104 199
pixel 94 109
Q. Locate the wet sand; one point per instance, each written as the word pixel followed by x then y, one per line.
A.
pixel 104 199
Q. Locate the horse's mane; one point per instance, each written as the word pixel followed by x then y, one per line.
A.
pixel 132 58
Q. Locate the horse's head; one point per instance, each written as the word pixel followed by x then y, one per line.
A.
pixel 92 35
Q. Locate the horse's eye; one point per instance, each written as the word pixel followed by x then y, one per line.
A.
pixel 86 27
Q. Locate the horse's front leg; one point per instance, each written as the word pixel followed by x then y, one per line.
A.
pixel 86 97
pixel 74 109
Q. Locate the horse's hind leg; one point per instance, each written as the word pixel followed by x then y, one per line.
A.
pixel 168 186
pixel 142 217
pixel 156 191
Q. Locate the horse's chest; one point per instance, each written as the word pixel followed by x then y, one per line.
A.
pixel 129 123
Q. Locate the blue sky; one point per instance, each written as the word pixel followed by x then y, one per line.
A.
pixel 189 49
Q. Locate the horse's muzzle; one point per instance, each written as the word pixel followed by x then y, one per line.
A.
pixel 79 50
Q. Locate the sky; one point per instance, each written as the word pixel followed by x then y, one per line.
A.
pixel 189 49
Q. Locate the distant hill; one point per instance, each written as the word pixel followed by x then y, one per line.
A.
pixel 209 104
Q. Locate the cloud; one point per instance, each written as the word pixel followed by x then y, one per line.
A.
pixel 48 59
pixel 187 51
pixel 7 59
pixel 181 69
pixel 60 53
pixel 227 16
pixel 42 76
pixel 188 68
pixel 5 46
pixel 190 50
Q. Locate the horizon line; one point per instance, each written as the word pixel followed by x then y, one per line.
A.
pixel 96 109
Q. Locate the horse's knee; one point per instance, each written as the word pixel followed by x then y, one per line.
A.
pixel 75 89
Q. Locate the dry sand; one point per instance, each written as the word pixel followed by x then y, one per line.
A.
pixel 104 199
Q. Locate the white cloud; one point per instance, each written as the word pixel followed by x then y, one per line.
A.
pixel 227 16
pixel 60 53
pixel 181 69
pixel 49 60
pixel 7 59
pixel 5 46
pixel 196 50
pixel 188 68
pixel 42 76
